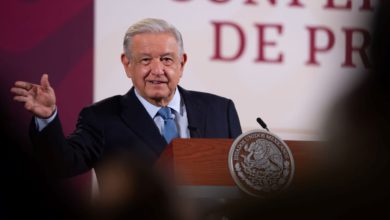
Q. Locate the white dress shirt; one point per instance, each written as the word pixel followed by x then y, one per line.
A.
pixel 41 123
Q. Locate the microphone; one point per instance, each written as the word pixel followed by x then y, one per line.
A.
pixel 261 123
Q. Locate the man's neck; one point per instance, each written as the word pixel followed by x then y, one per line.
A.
pixel 163 102
pixel 159 102
pixel 153 107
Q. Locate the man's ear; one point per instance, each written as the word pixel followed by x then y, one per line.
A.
pixel 183 60
pixel 126 64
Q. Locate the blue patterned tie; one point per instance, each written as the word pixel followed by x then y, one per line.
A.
pixel 169 129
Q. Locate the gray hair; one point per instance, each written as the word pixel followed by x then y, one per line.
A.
pixel 150 25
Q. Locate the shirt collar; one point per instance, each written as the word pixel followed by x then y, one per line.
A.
pixel 152 109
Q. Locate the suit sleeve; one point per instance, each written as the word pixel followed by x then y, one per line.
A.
pixel 233 120
pixel 72 155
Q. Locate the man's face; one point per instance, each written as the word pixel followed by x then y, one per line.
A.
pixel 155 66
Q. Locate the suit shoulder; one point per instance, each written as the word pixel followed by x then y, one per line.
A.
pixel 208 97
pixel 106 105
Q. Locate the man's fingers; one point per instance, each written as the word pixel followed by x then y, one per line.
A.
pixel 24 85
pixel 45 81
pixel 21 98
pixel 19 91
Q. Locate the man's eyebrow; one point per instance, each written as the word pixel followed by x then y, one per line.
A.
pixel 167 54
pixel 144 54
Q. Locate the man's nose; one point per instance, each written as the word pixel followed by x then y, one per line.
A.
pixel 157 67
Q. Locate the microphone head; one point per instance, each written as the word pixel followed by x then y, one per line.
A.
pixel 261 122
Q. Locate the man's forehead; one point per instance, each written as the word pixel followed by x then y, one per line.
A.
pixel 156 44
pixel 141 54
pixel 154 40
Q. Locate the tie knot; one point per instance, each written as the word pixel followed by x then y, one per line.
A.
pixel 165 113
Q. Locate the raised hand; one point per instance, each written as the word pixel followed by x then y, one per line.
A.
pixel 38 99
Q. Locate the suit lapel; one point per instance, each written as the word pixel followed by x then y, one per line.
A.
pixel 138 120
pixel 195 114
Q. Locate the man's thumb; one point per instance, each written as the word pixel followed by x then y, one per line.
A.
pixel 45 81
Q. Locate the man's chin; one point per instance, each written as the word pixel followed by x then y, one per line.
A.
pixel 159 98
pixel 158 95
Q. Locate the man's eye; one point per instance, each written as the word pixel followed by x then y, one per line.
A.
pixel 167 60
pixel 145 60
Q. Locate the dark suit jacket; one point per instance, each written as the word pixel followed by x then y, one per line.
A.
pixel 122 123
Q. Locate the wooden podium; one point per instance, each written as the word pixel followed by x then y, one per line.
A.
pixel 204 162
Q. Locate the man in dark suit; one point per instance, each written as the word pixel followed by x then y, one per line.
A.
pixel 154 60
